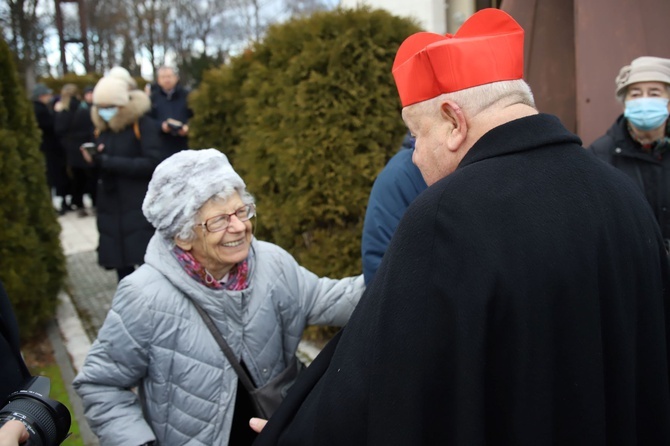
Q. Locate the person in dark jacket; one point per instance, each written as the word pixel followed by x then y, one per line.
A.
pixel 126 156
pixel 396 186
pixel 638 141
pixel 13 370
pixel 524 298
pixel 73 127
pixel 51 149
pixel 169 106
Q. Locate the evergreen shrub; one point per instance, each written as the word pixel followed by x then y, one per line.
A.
pixel 309 117
pixel 81 81
pixel 32 264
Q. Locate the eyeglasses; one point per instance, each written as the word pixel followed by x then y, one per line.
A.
pixel 219 223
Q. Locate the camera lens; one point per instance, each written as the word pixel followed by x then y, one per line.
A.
pixel 47 421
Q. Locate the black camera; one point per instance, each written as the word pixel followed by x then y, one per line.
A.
pixel 46 420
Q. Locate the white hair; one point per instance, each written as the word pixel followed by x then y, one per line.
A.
pixel 474 100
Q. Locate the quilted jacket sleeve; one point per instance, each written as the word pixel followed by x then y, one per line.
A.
pixel 326 301
pixel 116 363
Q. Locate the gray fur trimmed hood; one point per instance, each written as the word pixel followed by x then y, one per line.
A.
pixel 138 105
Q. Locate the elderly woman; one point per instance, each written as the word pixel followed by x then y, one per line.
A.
pixel 638 142
pixel 258 297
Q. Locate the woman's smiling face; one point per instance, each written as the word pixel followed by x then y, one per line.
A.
pixel 220 251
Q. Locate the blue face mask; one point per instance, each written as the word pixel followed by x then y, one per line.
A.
pixel 108 113
pixel 646 113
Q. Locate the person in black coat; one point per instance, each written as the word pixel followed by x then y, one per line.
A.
pixel 74 127
pixel 13 370
pixel 169 106
pixel 51 149
pixel 638 143
pixel 524 298
pixel 127 152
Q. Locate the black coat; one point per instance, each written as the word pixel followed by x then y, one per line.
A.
pixel 126 166
pixel 175 106
pixel 45 121
pixel 523 301
pixel 650 171
pixel 74 127
pixel 13 371
pixel 51 148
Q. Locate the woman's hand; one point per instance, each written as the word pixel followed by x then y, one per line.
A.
pixel 13 433
pixel 257 424
pixel 87 156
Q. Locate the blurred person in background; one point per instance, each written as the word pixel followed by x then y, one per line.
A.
pixel 169 106
pixel 396 186
pixel 74 127
pixel 638 141
pixel 259 298
pixel 126 153
pixel 54 155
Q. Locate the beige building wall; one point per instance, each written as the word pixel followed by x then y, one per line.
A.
pixel 438 16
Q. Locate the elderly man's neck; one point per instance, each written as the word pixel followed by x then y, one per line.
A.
pixel 496 116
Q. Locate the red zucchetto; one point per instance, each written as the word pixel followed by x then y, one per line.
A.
pixel 487 48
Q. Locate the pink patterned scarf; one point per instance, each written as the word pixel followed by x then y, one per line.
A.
pixel 238 276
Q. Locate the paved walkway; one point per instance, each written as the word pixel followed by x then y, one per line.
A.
pixel 85 301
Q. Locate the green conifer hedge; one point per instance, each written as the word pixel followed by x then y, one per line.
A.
pixel 32 264
pixel 81 81
pixel 309 117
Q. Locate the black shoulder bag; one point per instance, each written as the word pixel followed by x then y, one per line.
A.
pixel 265 399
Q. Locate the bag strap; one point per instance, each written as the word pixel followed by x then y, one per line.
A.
pixel 242 375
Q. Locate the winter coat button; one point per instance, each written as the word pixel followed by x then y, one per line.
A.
pixel 265 371
pixel 617 150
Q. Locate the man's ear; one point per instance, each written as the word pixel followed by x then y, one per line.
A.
pixel 183 244
pixel 453 114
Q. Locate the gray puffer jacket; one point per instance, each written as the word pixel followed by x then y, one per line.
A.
pixel 153 338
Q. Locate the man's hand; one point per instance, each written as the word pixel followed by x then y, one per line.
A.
pixel 13 433
pixel 257 424
pixel 183 131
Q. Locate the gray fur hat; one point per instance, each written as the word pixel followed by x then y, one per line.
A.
pixel 183 183
pixel 643 69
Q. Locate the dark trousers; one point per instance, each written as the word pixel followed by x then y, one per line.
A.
pixel 79 180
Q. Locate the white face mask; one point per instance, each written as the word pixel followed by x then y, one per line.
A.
pixel 108 113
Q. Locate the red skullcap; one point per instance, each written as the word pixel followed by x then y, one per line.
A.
pixel 487 48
